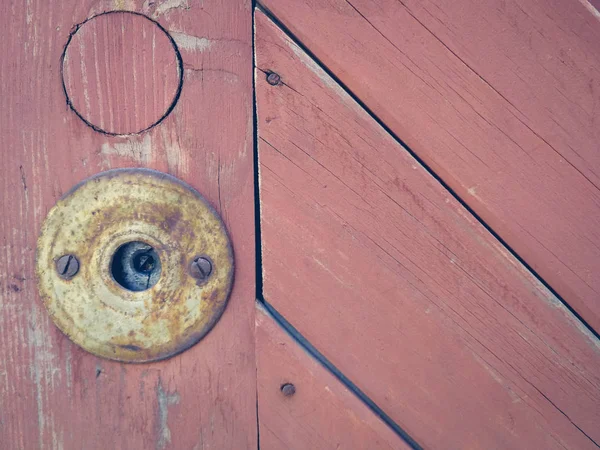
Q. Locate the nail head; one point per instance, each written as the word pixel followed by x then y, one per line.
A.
pixel 273 79
pixel 288 389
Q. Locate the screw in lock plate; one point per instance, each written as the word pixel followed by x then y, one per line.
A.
pixel 67 266
pixel 273 79
pixel 201 268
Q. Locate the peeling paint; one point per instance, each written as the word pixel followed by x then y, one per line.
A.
pixel 135 147
pixel 42 371
pixel 248 139
pixel 28 12
pixel 68 369
pixel 84 77
pixel 57 441
pixel 164 400
pixel 178 160
pixel 168 5
pixel 545 295
pixel 192 43
pixel 320 73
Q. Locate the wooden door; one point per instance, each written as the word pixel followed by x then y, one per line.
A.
pixel 411 193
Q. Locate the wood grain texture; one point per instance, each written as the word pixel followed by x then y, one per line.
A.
pixel 53 395
pixel 322 414
pixel 121 72
pixel 500 99
pixel 402 289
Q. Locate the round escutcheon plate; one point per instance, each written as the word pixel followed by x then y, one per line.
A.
pixel 134 265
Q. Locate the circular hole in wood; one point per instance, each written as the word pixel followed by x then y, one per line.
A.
pixel 122 72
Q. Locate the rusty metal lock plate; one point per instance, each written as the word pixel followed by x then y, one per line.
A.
pixel 134 265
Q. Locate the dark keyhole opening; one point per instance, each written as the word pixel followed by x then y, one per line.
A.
pixel 143 262
pixel 136 266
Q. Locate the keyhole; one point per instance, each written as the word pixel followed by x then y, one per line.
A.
pixel 136 266
pixel 143 262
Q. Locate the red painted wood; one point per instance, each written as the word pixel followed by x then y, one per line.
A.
pixel 401 288
pixel 53 394
pixel 499 98
pixel 322 414
pixel 121 72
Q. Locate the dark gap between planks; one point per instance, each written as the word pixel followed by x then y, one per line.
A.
pixel 278 318
pixel 260 7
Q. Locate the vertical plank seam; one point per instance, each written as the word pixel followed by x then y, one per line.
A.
pixel 278 318
pixel 257 229
pixel 331 368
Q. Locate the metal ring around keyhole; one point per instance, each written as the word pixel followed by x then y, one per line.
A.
pixel 154 265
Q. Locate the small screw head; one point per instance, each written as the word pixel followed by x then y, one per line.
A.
pixel 201 268
pixel 273 79
pixel 67 266
pixel 288 389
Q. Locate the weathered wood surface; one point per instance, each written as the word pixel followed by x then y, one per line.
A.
pixel 500 99
pixel 322 414
pixel 53 395
pixel 399 286
pixel 121 71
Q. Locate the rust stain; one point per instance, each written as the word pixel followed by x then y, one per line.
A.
pixel 94 219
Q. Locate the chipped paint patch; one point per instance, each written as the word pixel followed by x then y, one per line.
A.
pixel 68 369
pixel 138 148
pixel 544 294
pixel 28 12
pixel 314 68
pixel 42 371
pixel 178 161
pixel 164 400
pixel 120 5
pixel 192 43
pixel 168 5
pixel 319 72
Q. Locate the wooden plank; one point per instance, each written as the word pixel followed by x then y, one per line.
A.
pixel 53 394
pixel 499 99
pixel 402 289
pixel 121 94
pixel 322 414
